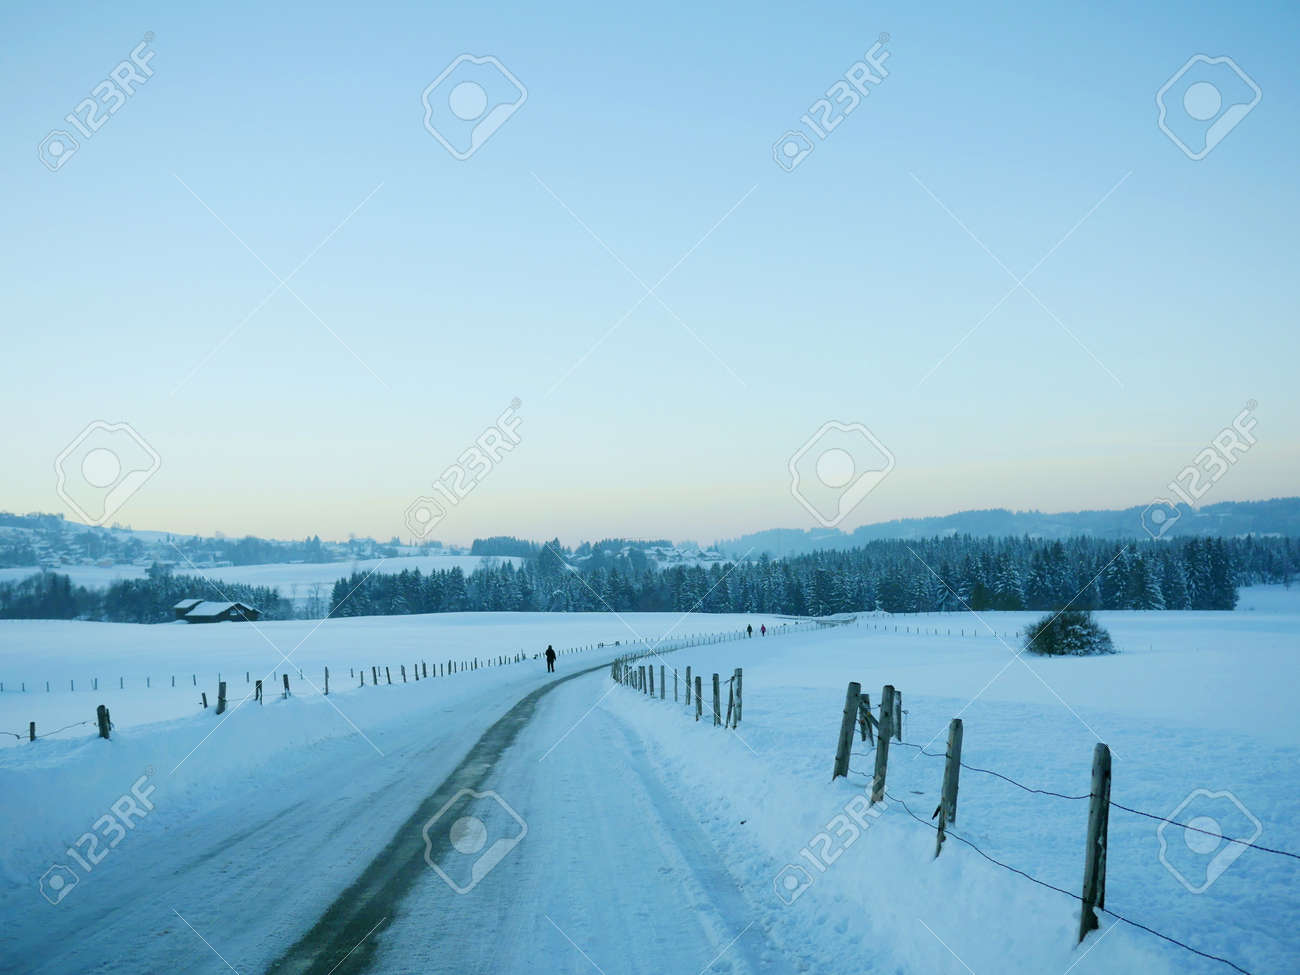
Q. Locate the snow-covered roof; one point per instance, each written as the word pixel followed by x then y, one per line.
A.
pixel 214 608
pixel 187 604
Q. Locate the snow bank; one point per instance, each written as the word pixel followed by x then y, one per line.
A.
pixel 765 793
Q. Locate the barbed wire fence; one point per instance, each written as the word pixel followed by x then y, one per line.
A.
pixel 884 725
pixel 375 675
pixel 629 672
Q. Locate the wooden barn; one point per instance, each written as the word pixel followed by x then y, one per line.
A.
pixel 216 612
pixel 184 606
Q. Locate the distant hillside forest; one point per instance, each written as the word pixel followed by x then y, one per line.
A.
pixel 899 577
pixel 51 595
pixel 937 574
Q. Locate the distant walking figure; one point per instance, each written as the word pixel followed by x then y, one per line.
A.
pixel 749 630
pixel 762 630
pixel 550 659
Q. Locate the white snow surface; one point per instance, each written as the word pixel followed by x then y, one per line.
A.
pixel 654 843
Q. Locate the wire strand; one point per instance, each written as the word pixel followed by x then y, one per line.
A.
pixel 1207 832
pixel 1061 890
pixel 1117 805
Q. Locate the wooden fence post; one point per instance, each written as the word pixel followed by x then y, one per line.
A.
pixel 425 665
pixel 688 687
pixel 845 742
pixel 1094 864
pixel 374 676
pixel 31 731
pixel 740 683
pixel 898 715
pixel 731 700
pixel 717 702
pixel 699 696
pixel 257 692
pixel 883 732
pixel 652 680
pixel 951 774
pixel 327 681
pixel 101 715
pixel 286 684
pixel 389 674
pixel 221 697
pixel 674 685
pixel 663 684
pixel 204 696
pixel 403 666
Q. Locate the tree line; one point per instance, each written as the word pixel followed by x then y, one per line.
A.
pixel 938 574
pixel 51 595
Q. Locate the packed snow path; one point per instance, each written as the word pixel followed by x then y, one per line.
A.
pixel 610 871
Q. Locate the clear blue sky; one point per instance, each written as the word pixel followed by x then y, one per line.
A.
pixel 835 291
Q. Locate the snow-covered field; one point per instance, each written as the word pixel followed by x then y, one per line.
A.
pixel 293 579
pixel 135 663
pixel 653 843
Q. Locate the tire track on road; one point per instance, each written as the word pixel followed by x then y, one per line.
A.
pixel 343 940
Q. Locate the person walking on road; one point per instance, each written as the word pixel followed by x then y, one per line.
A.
pixel 749 630
pixel 762 630
pixel 550 659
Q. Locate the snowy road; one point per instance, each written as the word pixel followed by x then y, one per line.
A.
pixel 611 875
pixel 249 874
pixel 332 875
